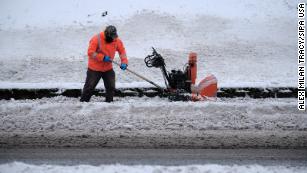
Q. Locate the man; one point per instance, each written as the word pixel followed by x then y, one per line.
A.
pixel 101 51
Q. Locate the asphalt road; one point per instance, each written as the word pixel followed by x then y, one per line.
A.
pixel 94 156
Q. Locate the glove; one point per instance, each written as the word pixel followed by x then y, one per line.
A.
pixel 123 66
pixel 107 59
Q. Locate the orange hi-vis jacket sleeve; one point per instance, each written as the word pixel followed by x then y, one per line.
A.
pixel 99 48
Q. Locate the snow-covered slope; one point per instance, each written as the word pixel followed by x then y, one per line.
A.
pixel 153 122
pixel 18 167
pixel 241 42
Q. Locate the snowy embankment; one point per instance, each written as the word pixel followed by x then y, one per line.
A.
pixel 152 123
pixel 243 43
pixel 17 167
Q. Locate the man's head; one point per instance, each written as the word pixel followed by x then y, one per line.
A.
pixel 110 33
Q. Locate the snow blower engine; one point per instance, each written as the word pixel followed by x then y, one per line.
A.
pixel 180 85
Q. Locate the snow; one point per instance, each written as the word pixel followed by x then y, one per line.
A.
pixel 134 84
pixel 69 85
pixel 152 122
pixel 18 167
pixel 16 14
pixel 242 42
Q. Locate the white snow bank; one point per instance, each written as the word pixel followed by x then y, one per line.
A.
pixel 38 13
pixel 74 85
pixel 241 42
pixel 19 167
pixel 70 85
pixel 152 122
pixel 61 113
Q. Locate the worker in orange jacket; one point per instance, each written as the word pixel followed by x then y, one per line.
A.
pixel 101 52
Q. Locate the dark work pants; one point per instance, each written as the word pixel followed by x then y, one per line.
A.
pixel 92 79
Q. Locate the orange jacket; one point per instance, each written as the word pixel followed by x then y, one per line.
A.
pixel 96 54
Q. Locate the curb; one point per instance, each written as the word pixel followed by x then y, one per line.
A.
pixel 278 92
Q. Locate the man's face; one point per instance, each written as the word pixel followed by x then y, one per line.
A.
pixel 110 34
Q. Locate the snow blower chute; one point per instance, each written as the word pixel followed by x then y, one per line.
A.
pixel 180 85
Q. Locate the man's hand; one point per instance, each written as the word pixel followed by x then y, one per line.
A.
pixel 123 66
pixel 107 59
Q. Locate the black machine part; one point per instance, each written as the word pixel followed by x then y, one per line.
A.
pixel 176 79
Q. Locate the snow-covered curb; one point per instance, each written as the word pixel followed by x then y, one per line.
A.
pixel 68 85
pixel 16 167
pixel 76 85
pixel 152 123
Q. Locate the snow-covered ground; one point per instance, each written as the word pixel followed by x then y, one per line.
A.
pixel 242 42
pixel 18 167
pixel 153 122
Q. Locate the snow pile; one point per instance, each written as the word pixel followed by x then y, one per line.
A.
pixel 152 122
pixel 43 14
pixel 18 167
pixel 241 42
pixel 72 85
pixel 61 113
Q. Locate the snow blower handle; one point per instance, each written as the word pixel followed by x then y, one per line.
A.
pixel 140 76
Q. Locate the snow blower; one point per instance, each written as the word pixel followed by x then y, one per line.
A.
pixel 180 85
